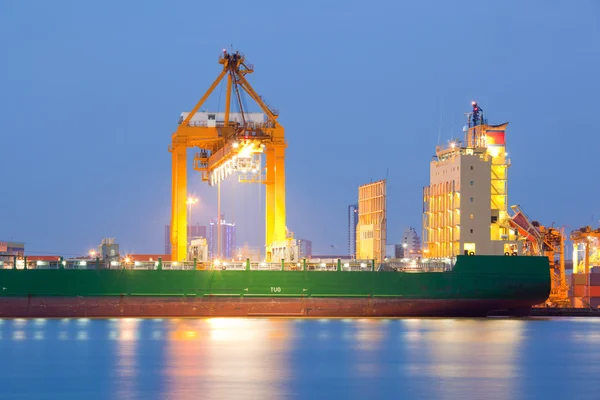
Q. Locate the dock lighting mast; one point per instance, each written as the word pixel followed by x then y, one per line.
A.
pixel 233 144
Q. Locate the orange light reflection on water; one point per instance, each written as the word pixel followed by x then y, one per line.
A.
pixel 241 357
pixel 126 365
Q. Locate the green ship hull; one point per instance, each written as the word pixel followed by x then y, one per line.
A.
pixel 476 285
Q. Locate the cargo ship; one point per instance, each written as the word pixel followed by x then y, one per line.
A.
pixel 471 265
pixel 472 286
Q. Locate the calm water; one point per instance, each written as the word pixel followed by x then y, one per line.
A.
pixel 335 359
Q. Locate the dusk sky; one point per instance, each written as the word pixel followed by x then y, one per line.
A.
pixel 90 93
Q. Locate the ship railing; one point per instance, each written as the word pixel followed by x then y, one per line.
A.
pixel 49 265
pixel 418 266
pixel 322 266
pixel 178 265
pixel 266 266
pixel 227 266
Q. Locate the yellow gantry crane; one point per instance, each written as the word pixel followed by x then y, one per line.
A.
pixel 231 145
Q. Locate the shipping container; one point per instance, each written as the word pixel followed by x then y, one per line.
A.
pixel 595 302
pixel 577 302
pixel 579 279
pixel 595 279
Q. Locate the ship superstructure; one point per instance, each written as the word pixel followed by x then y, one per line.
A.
pixel 465 205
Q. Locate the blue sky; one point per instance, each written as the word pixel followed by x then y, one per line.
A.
pixel 90 93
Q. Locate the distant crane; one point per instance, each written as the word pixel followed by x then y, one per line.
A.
pixel 228 146
pixel 544 241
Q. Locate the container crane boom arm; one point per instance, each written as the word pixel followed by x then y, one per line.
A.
pixel 246 86
pixel 186 121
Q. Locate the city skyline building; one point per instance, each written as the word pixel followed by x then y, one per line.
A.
pixel 304 248
pixel 410 243
pixel 352 223
pixel 194 232
pixel 228 239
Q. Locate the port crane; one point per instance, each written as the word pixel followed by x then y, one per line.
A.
pixel 540 240
pixel 234 144
pixel 588 238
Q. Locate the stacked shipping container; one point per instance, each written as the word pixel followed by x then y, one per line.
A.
pixel 586 289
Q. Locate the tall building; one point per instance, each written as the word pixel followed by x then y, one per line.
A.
pixel 194 232
pixel 304 248
pixel 411 243
pixel 372 221
pixel 228 240
pixel 167 239
pixel 465 204
pixel 352 223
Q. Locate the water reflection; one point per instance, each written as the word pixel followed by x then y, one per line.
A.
pixel 261 358
pixel 126 367
pixel 480 353
pixel 241 358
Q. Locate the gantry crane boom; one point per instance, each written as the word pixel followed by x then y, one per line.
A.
pixel 222 146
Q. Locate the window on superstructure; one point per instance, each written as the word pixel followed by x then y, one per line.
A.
pixel 472 183
pixel 471 216
pixel 471 230
pixel 471 168
pixel 471 199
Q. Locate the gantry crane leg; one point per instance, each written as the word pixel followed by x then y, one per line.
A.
pixel 269 199
pixel 179 210
pixel 279 234
pixel 275 224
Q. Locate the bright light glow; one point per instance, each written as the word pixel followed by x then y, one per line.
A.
pixel 92 253
pixel 235 145
pixel 493 151
pixel 323 265
pixel 191 200
pixel 127 259
pixel 217 262
pixel 247 158
pixel 346 265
